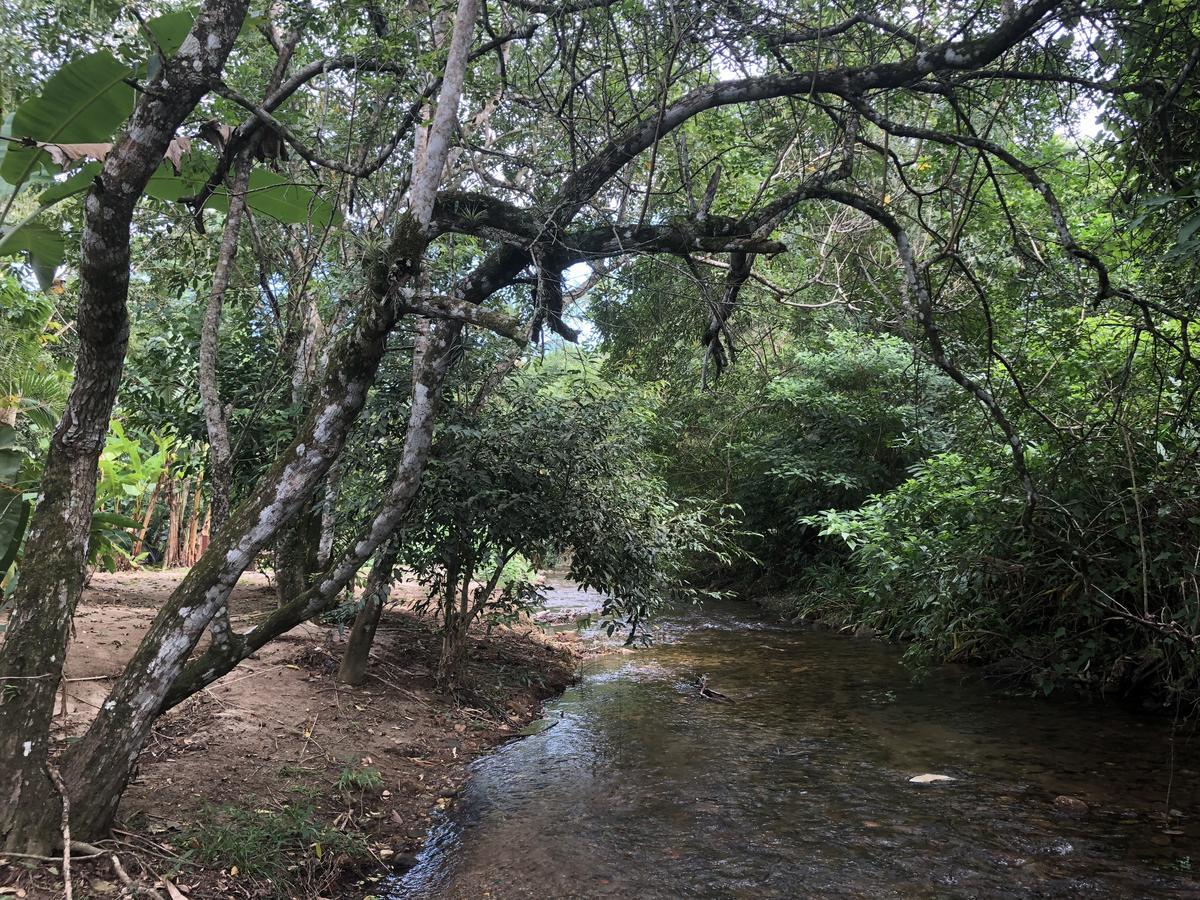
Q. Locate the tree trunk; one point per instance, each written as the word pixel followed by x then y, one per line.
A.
pixel 194 524
pixel 97 768
pixel 362 634
pixel 220 452
pixel 296 556
pixel 158 486
pixel 454 653
pixel 31 658
pixel 177 542
pixel 435 350
pixel 333 489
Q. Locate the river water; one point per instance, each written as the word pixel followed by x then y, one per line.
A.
pixel 800 787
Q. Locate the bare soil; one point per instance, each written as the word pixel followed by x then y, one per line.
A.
pixel 280 730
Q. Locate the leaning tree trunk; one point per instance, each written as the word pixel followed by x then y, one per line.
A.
pixel 297 549
pixel 333 490
pixel 435 350
pixel 362 634
pixel 31 659
pixel 97 768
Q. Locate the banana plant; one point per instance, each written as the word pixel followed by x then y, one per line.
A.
pixel 14 506
pixel 56 143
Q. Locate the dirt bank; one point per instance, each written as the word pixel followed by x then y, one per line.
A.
pixel 277 780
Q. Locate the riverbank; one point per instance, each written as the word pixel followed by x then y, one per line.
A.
pixel 278 780
pixel 1127 683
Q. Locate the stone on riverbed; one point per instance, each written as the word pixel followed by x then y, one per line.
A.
pixel 1071 806
pixel 930 778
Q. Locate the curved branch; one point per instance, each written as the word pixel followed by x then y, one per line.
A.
pixel 919 294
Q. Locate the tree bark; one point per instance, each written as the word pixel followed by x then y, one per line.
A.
pixel 31 658
pixel 453 655
pixel 333 489
pixel 220 452
pixel 362 634
pixel 297 550
pixel 97 768
pixel 435 350
pixel 296 556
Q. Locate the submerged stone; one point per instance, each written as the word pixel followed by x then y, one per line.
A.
pixel 930 778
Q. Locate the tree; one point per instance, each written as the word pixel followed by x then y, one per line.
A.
pixel 45 599
pixel 553 466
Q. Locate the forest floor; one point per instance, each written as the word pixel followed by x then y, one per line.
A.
pixel 277 780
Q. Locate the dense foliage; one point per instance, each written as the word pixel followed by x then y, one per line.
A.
pixel 553 468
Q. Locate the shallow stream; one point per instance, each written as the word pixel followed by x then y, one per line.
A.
pixel 800 787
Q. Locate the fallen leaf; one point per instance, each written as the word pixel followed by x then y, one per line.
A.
pixel 174 892
pixel 930 778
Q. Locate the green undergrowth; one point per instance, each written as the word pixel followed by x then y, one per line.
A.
pixel 283 851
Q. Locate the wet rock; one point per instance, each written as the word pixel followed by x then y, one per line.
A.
pixel 402 862
pixel 1071 806
pixel 930 778
pixel 1057 847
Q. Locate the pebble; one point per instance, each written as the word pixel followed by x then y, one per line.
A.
pixel 930 778
pixel 1071 806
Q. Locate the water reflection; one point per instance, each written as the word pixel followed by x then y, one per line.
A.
pixel 800 787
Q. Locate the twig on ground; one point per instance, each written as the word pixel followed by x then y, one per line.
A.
pixel 59 786
pixel 133 886
pixel 252 674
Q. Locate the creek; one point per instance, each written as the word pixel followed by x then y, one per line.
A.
pixel 800 787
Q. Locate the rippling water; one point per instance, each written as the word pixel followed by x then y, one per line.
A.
pixel 799 788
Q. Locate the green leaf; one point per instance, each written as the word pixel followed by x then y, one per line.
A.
pixel 14 509
pixel 43 245
pixel 170 30
pixel 78 183
pixel 269 194
pixel 5 129
pixel 164 184
pixel 275 196
pixel 83 102
pixel 1189 229
pixel 115 520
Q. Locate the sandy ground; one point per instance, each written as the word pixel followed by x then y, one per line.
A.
pixel 280 725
